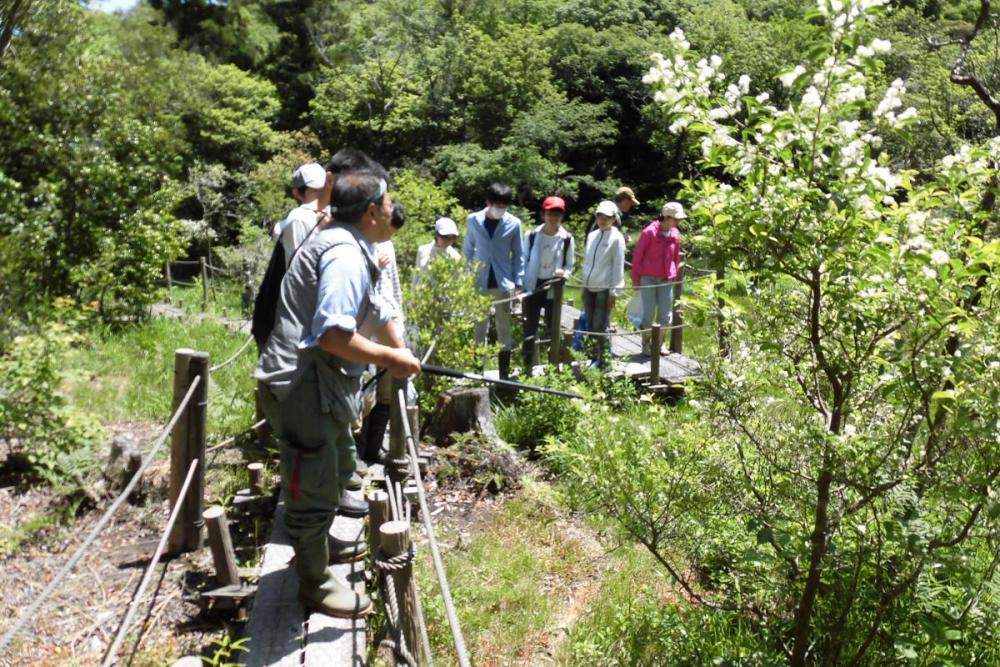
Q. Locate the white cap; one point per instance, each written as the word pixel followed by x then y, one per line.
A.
pixel 445 227
pixel 309 175
pixel 607 208
pixel 673 210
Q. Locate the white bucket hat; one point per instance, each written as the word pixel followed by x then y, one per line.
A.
pixel 673 210
pixel 445 227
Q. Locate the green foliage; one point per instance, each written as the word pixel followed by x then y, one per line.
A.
pixel 533 417
pixel 36 421
pixel 443 306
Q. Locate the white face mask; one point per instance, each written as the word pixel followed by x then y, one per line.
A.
pixel 496 212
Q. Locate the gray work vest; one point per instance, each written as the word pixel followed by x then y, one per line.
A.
pixel 283 363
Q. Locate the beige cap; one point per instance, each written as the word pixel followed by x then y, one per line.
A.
pixel 626 193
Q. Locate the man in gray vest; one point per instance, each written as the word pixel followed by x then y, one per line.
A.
pixel 310 371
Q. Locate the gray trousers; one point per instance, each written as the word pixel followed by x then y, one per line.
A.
pixel 316 457
pixel 659 299
pixel 502 311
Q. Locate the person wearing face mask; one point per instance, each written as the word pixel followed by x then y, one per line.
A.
pixel 656 265
pixel 603 275
pixel 493 243
pixel 309 376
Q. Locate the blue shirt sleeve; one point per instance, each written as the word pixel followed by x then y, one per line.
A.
pixel 343 283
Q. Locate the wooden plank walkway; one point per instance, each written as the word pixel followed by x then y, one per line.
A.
pixel 284 634
pixel 627 357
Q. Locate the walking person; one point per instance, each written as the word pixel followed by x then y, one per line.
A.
pixel 493 242
pixel 656 266
pixel 310 378
pixel 603 276
pixel 548 253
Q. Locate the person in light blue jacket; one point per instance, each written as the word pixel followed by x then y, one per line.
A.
pixel 548 254
pixel 493 242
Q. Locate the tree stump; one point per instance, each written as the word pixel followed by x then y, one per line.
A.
pixel 460 410
pixel 124 460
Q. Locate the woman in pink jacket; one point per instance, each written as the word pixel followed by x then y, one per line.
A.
pixel 656 266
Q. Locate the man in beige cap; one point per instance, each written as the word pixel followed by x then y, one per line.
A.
pixel 624 200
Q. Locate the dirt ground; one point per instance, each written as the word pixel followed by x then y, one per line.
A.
pixel 79 621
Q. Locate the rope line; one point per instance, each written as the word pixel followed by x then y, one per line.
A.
pixel 449 605
pixel 389 565
pixel 219 367
pixel 233 439
pixel 99 526
pixel 112 651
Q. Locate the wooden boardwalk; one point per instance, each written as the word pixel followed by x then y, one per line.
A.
pixel 282 633
pixel 627 357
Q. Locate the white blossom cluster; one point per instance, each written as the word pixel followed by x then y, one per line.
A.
pixel 845 14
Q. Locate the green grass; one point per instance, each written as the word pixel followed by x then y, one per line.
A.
pixel 125 373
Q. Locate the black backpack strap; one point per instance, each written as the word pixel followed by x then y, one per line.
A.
pixel 566 251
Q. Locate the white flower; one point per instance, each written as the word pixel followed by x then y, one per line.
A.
pixel 866 51
pixel 788 78
pixel 939 257
pixel 744 84
pixel 928 272
pixel 892 98
pixel 719 113
pixel 850 430
pixel 811 98
pixel 678 125
pixel 849 128
pixel 881 45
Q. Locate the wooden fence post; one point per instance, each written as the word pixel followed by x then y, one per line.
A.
pixel 256 473
pixel 394 537
pixel 555 322
pixel 677 329
pixel 204 283
pixel 188 443
pixel 222 546
pixel 378 513
pixel 178 444
pixel 397 466
pixel 264 430
pixel 170 282
pixel 654 354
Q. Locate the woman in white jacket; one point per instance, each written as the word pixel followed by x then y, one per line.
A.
pixel 603 275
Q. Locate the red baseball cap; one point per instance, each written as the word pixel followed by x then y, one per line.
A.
pixel 552 203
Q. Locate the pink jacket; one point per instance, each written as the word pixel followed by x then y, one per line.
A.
pixel 657 255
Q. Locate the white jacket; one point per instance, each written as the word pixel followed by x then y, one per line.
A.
pixel 604 261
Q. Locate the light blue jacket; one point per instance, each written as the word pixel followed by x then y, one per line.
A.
pixel 502 252
pixel 533 255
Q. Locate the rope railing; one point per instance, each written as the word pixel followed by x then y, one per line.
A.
pixel 230 360
pixel 99 526
pixel 449 604
pixel 112 652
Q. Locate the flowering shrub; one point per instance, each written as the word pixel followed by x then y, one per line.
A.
pixel 858 417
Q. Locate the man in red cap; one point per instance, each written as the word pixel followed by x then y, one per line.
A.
pixel 548 254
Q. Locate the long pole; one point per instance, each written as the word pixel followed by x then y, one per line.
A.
pixel 462 375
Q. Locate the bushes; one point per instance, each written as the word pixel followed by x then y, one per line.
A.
pixel 36 423
pixel 533 417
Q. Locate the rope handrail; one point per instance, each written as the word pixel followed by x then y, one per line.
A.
pixel 230 360
pixel 449 604
pixel 112 652
pixel 99 526
pixel 671 283
pixel 231 440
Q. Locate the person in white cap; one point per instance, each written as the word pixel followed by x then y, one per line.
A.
pixel 445 235
pixel 603 274
pixel 303 221
pixel 656 266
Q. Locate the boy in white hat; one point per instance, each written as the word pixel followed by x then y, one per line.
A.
pixel 445 235
pixel 304 220
pixel 603 274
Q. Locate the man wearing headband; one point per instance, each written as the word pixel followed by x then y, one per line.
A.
pixel 310 375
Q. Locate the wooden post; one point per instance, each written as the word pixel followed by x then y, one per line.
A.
pixel 378 513
pixel 178 443
pixel 204 283
pixel 197 431
pixel 555 322
pixel 222 546
pixel 394 536
pixel 256 474
pixel 397 466
pixel 677 330
pixel 654 356
pixel 536 352
pixel 170 283
pixel 566 351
